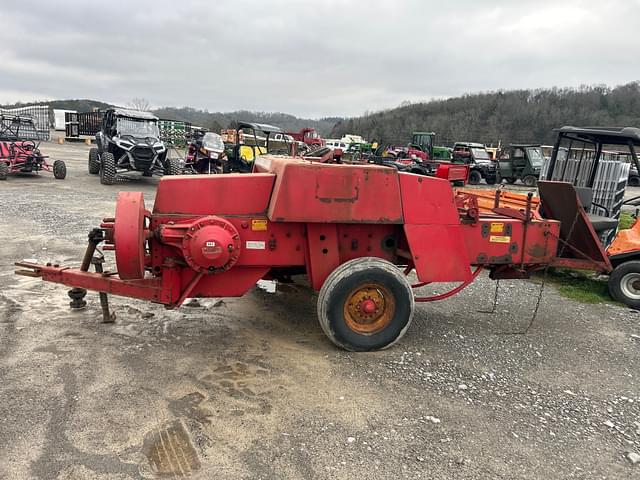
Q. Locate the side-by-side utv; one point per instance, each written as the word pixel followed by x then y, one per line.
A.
pixel 129 141
pixel 582 158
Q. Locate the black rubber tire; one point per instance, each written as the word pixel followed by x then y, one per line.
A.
pixel 530 181
pixel 4 170
pixel 59 170
pixel 107 169
pixel 511 180
pixel 338 286
pixel 475 177
pixel 94 161
pixel 172 167
pixel 619 278
pixel 490 179
pixel 634 181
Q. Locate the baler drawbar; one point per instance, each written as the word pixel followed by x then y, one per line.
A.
pixel 356 231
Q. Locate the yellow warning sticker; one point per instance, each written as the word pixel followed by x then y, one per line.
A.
pixel 499 239
pixel 258 225
pixel 497 227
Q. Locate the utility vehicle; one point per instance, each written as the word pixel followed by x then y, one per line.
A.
pixel 521 162
pixel 129 141
pixel 480 164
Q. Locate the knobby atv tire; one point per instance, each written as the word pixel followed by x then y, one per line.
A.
pixel 349 279
pixel 634 181
pixel 172 167
pixel 94 161
pixel 475 177
pixel 511 180
pixel 4 170
pixel 59 170
pixel 530 181
pixel 490 179
pixel 107 169
pixel 624 283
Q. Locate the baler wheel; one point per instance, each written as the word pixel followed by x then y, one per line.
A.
pixel 94 161
pixel 4 170
pixel 365 304
pixel 59 170
pixel 108 169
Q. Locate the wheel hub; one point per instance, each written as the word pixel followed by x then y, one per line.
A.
pixel 369 309
pixel 630 285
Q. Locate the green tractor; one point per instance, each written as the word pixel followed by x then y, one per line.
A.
pixel 424 141
pixel 521 162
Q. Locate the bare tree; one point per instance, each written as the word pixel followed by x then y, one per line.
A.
pixel 140 104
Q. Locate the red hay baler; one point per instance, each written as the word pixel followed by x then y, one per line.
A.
pixel 356 231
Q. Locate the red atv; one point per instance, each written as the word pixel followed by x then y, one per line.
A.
pixel 19 154
pixel 25 157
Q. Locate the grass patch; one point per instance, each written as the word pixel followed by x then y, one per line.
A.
pixel 626 220
pixel 582 286
pixel 579 286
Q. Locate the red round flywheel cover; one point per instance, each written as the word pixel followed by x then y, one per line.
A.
pixel 128 235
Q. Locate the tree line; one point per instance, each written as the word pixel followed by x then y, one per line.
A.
pixel 503 116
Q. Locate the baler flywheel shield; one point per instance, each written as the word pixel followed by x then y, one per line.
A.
pixel 129 235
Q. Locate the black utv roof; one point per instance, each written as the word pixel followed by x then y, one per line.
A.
pixel 263 127
pixel 606 135
pixel 125 112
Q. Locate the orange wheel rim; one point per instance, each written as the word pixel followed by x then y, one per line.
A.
pixel 369 308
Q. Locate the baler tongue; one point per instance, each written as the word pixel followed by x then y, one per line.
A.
pixel 580 246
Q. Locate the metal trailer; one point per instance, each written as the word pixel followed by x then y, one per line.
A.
pixel 356 232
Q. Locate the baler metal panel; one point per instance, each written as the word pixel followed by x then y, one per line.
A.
pixel 324 193
pixel 232 194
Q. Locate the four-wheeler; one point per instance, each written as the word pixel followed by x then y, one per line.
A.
pixel 129 141
pixel 521 162
pixel 355 231
pixel 480 164
pixel 205 153
pixel 584 171
pixel 19 154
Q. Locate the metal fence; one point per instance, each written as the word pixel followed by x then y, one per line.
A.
pixel 87 123
pixel 609 184
pixel 175 132
pixel 39 120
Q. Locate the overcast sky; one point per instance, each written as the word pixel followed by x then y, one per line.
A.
pixel 309 58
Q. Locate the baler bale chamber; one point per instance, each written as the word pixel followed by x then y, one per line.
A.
pixel 356 232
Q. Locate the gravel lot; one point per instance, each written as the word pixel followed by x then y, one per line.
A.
pixel 250 387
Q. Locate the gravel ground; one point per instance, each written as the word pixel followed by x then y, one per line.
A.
pixel 250 387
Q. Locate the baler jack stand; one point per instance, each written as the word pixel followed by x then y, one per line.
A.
pixel 107 317
pixel 77 294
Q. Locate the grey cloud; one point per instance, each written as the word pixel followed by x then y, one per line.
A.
pixel 327 57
